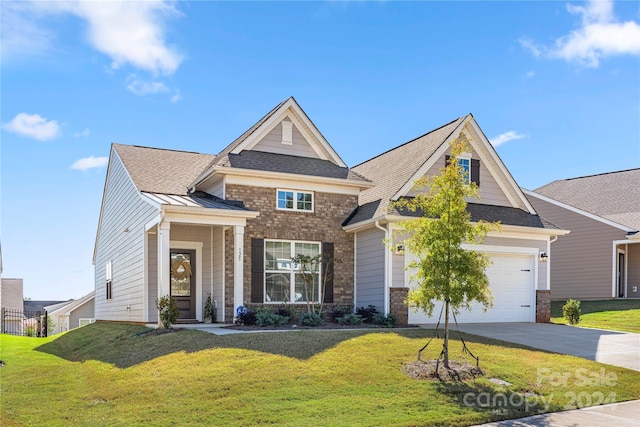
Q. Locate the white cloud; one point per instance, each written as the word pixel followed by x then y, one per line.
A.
pixel 600 35
pixel 141 88
pixel 33 126
pixel 20 33
pixel 506 137
pixel 90 163
pixel 177 96
pixel 530 74
pixel 129 32
pixel 85 133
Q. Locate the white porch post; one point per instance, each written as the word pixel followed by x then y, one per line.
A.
pixel 238 267
pixel 164 229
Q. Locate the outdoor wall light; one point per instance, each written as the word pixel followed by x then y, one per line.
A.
pixel 399 249
pixel 544 257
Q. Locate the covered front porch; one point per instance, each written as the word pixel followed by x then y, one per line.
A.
pixel 191 252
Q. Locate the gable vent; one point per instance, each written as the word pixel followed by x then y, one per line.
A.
pixel 287 132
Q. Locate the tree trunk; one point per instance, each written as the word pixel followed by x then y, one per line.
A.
pixel 445 346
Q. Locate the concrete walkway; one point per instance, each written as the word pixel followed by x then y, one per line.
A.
pixel 610 347
pixel 626 414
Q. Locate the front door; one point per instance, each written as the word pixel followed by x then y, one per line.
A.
pixel 621 278
pixel 183 282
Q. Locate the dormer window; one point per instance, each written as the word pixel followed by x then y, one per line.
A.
pixel 287 132
pixel 469 167
pixel 292 200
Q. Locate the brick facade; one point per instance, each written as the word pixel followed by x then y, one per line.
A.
pixel 323 225
pixel 543 306
pixel 398 307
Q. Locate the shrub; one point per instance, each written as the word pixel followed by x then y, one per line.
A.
pixel 30 331
pixel 368 313
pixel 267 318
pixel 571 311
pixel 167 310
pixel 246 317
pixel 350 319
pixel 384 321
pixel 339 311
pixel 209 309
pixel 286 311
pixel 311 319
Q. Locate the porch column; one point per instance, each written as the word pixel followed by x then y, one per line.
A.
pixel 164 229
pixel 238 267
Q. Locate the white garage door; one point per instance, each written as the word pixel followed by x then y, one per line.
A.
pixel 511 278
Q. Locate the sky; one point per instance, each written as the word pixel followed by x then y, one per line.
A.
pixel 554 85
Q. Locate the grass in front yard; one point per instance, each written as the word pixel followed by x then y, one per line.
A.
pixel 617 314
pixel 103 374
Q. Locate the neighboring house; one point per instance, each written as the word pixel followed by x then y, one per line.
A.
pixel 191 225
pixel 11 304
pixel 601 257
pixel 72 314
pixel 518 275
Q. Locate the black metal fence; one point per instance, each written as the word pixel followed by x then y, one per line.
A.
pixel 23 323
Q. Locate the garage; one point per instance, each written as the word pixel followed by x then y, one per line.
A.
pixel 512 282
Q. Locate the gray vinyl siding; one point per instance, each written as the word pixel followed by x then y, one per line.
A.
pixel 12 294
pixel 272 143
pixel 85 311
pixel 580 261
pixel 218 272
pixel 122 209
pixel 197 233
pixel 633 270
pixel 490 191
pixel 152 277
pixel 541 245
pixel 370 269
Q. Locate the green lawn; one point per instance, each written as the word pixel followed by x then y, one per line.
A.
pixel 103 374
pixel 617 315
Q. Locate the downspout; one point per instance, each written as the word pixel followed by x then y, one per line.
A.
pixel 387 268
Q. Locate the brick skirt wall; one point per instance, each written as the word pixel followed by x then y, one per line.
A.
pixel 543 306
pixel 397 305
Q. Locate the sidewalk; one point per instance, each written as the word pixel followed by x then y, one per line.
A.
pixel 626 414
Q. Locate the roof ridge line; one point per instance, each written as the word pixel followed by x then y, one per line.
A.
pixel 598 174
pixel 162 149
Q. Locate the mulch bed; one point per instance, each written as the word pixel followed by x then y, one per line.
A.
pixel 457 372
pixel 326 325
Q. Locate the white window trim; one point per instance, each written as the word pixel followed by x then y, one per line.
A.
pixel 292 272
pixel 87 321
pixel 295 200
pixel 108 273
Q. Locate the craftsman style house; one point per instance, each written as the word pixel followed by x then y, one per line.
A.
pixel 192 225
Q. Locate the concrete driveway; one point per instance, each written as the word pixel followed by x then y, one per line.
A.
pixel 610 347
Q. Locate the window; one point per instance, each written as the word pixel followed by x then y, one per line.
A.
pixel 465 168
pixel 108 278
pixel 283 279
pixel 295 200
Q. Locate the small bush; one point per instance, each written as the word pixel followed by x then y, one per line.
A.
pixel 368 313
pixel 267 318
pixel 311 319
pixel 246 318
pixel 384 321
pixel 286 311
pixel 339 311
pixel 571 311
pixel 167 311
pixel 350 319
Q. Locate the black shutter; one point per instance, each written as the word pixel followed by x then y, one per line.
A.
pixel 475 171
pixel 446 160
pixel 257 271
pixel 327 256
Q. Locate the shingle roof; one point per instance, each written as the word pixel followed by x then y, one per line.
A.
pixel 273 162
pixel 506 215
pixel 393 169
pixel 613 195
pixel 157 170
pixel 229 148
